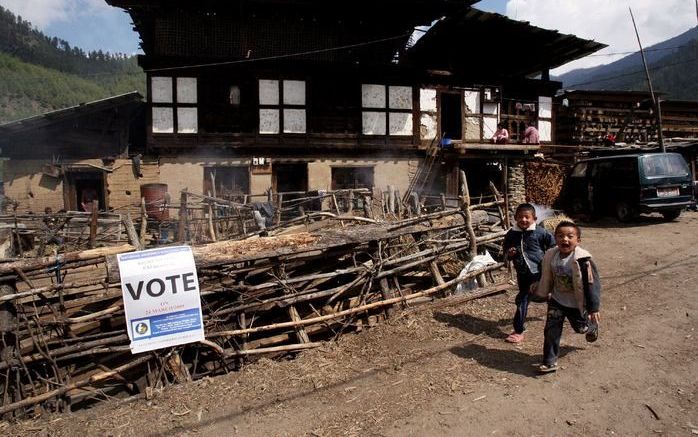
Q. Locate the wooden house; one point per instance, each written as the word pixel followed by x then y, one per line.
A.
pixel 298 95
pixel 293 95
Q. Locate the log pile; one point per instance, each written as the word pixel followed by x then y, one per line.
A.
pixel 64 340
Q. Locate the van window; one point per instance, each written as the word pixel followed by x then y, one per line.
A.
pixel 664 165
pixel 580 170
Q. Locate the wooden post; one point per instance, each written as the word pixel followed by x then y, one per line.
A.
pixel 182 228
pixel 335 204
pixel 465 200
pixel 498 198
pixel 350 207
pixel 144 222
pixel 367 206
pixel 211 228
pixel 93 223
pixel 443 201
pixel 398 203
pixel 391 199
pixel 505 184
pixel 279 204
pixel 387 293
pixel 131 231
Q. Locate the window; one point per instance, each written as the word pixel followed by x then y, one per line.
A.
pixel 580 170
pixel 664 165
pixel 282 106
pixel 174 103
pixel 230 183
pixel 386 110
pixel 352 177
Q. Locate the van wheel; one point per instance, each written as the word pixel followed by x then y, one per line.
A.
pixel 671 215
pixel 624 212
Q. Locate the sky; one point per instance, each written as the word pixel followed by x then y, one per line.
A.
pixel 93 25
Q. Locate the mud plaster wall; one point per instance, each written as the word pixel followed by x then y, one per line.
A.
pixel 27 185
pixel 34 191
pixel 124 188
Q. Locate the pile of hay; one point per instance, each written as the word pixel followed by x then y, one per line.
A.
pixel 551 223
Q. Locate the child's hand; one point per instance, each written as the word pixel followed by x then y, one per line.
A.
pixel 511 253
pixel 595 317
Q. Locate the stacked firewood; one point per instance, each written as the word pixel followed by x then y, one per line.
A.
pixel 544 182
pixel 64 340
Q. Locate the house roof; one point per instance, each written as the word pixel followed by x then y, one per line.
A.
pixel 495 45
pixel 250 29
pixel 48 118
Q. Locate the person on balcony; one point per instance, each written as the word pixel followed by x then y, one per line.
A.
pixel 502 134
pixel 531 135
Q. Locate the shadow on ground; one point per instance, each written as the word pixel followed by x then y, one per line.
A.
pixel 506 360
pixel 498 329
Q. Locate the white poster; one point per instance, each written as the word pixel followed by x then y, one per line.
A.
pixel 161 298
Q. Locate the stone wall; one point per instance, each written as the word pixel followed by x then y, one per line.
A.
pixel 516 182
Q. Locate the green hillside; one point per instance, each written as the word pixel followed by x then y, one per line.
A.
pixel 675 74
pixel 39 73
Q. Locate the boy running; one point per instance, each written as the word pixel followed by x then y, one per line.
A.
pixel 571 282
pixel 525 244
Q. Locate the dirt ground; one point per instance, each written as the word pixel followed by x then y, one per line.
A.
pixel 447 371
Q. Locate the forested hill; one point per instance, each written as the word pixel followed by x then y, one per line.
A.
pixel 673 66
pixel 39 73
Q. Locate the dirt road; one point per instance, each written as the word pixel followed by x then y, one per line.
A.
pixel 449 372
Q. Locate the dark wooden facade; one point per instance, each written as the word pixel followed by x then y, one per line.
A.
pixel 324 85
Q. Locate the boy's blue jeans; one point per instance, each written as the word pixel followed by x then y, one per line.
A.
pixel 553 328
pixel 524 280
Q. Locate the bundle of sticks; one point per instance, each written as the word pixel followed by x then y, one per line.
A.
pixel 64 339
pixel 544 182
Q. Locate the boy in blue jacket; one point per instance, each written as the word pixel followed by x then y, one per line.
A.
pixel 570 282
pixel 525 244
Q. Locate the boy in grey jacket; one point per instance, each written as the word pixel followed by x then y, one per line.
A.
pixel 570 281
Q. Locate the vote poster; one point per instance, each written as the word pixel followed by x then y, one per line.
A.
pixel 161 298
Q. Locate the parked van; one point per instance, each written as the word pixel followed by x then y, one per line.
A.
pixel 627 185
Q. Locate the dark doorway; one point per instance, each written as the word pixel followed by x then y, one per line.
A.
pixel 230 183
pixel 479 173
pixel 290 177
pixel 451 116
pixel 292 181
pixel 82 188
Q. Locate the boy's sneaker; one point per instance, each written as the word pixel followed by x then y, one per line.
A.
pixel 547 368
pixel 515 338
pixel 592 333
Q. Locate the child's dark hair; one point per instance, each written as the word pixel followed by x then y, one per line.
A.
pixel 525 207
pixel 569 224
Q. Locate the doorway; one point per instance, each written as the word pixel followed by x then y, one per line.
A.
pixel 290 177
pixel 451 116
pixel 479 173
pixel 82 188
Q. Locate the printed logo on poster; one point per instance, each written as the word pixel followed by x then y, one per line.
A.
pixel 161 298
